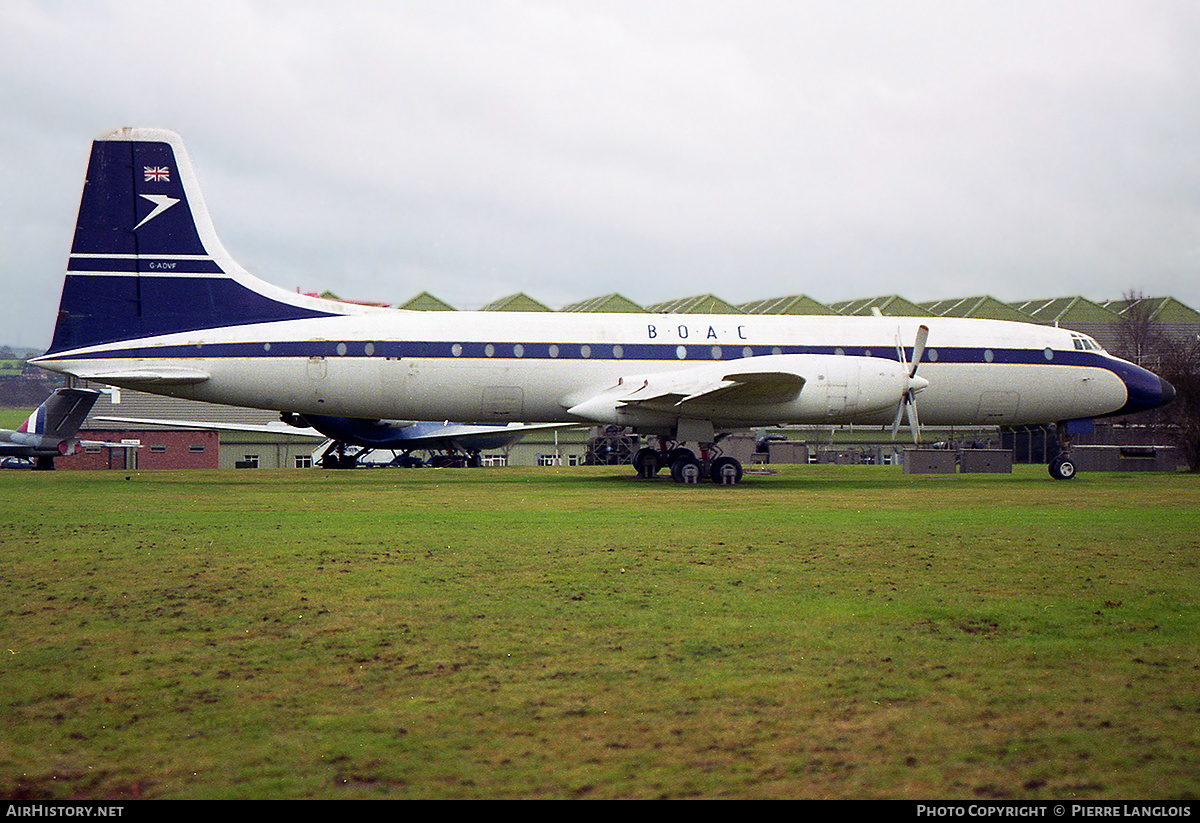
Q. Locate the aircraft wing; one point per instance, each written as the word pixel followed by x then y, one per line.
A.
pixel 379 434
pixel 409 435
pixel 472 437
pixel 265 428
pixel 14 450
pixel 742 388
pixel 123 444
pixel 745 383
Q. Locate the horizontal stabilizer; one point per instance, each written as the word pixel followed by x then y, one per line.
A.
pixel 177 376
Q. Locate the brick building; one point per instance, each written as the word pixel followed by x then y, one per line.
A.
pixel 162 449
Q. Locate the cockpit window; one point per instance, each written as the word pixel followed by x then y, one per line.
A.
pixel 1083 343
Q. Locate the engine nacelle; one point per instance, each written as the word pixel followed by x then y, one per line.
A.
pixel 765 390
pixel 842 388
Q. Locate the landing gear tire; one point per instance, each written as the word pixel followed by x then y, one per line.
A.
pixel 726 471
pixel 647 462
pixel 687 469
pixel 676 454
pixel 1062 468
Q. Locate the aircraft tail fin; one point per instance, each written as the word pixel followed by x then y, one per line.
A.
pixel 146 259
pixel 61 415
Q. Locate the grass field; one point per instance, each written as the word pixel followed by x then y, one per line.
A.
pixel 823 632
pixel 11 418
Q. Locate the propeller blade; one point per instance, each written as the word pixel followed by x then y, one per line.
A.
pixel 912 419
pixel 919 349
pixel 908 400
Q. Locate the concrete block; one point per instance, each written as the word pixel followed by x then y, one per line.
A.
pixel 787 451
pixel 929 461
pixel 998 461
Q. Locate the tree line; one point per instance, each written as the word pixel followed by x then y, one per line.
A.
pixel 1174 355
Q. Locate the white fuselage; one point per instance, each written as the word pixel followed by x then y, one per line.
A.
pixel 533 367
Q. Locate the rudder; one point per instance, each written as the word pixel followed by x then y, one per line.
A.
pixel 134 203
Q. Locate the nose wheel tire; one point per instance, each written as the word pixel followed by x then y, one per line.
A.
pixel 1062 468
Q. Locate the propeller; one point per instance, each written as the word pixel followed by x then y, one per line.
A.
pixel 908 402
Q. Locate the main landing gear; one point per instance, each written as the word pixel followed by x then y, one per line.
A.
pixel 336 457
pixel 686 467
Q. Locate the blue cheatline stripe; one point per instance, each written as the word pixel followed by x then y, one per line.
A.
pixel 516 351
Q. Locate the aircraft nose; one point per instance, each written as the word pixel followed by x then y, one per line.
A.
pixel 1168 392
pixel 1146 390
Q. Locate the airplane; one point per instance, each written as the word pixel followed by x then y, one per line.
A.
pixel 153 301
pixel 50 431
pixel 457 443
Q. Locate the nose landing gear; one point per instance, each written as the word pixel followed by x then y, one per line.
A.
pixel 1062 468
pixel 1062 465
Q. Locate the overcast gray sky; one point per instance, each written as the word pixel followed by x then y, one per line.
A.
pixel 927 148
